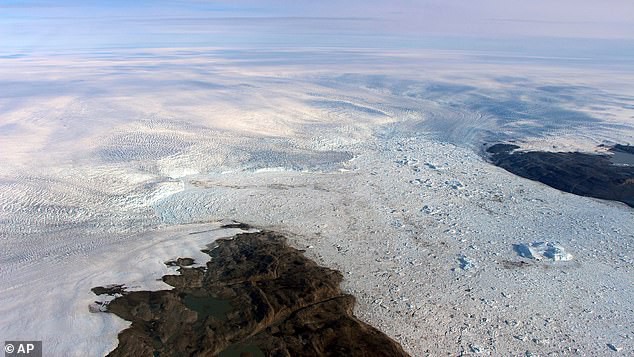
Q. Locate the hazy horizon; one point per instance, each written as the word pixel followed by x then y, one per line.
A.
pixel 571 29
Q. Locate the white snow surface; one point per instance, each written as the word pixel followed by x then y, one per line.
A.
pixel 50 303
pixel 372 165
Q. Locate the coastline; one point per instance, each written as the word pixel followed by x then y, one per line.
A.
pixel 607 176
pixel 256 296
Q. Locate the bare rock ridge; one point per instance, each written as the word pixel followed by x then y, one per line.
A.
pixel 256 297
pixel 593 175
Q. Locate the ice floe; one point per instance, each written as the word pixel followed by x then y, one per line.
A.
pixel 543 251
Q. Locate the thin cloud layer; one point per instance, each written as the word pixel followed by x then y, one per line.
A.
pixel 72 25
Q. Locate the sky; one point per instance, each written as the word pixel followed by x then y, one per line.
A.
pixel 74 25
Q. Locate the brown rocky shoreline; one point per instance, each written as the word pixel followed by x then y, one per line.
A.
pixel 592 175
pixel 256 297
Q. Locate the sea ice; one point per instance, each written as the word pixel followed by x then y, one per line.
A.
pixel 465 263
pixel 543 250
pixel 455 184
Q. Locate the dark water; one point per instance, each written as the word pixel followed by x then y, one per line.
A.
pixel 207 306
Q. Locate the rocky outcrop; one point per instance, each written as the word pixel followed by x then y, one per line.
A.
pixel 256 297
pixel 592 175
